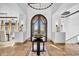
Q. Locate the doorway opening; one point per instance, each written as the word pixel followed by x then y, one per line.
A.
pixel 39 26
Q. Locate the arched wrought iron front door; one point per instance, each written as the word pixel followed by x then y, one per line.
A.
pixel 39 26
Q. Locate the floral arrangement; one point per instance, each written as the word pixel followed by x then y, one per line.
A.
pixel 38 35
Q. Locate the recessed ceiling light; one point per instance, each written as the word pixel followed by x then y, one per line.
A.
pixel 66 13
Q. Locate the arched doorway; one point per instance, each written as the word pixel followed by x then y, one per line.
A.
pixel 39 26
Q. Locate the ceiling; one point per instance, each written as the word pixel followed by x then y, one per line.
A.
pixel 56 7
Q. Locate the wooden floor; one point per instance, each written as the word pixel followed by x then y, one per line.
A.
pixel 51 50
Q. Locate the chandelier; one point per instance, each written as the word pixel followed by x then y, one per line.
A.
pixel 40 6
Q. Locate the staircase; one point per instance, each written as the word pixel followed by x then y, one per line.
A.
pixel 74 39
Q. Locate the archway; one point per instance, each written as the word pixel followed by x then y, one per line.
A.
pixel 39 26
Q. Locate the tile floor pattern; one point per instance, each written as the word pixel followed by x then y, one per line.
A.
pixel 52 50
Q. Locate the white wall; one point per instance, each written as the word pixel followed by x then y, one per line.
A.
pixel 11 9
pixel 14 10
pixel 71 24
pixel 47 13
pixel 56 16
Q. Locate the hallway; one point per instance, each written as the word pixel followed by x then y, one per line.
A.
pixel 24 49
